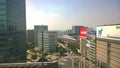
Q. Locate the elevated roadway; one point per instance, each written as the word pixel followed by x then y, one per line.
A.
pixel 29 65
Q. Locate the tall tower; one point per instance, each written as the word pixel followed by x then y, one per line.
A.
pixel 52 36
pixel 31 37
pixel 38 36
pixel 12 31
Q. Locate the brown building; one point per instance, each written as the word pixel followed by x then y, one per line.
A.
pixel 108 53
pixel 108 46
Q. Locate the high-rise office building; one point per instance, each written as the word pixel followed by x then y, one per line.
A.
pixel 68 32
pixel 76 30
pixel 87 47
pixel 49 38
pixel 12 31
pixel 39 29
pixel 52 35
pixel 31 37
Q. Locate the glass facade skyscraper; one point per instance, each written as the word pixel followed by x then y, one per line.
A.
pixel 49 38
pixel 31 37
pixel 38 36
pixel 53 37
pixel 76 30
pixel 12 31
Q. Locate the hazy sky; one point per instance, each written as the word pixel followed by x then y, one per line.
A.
pixel 63 14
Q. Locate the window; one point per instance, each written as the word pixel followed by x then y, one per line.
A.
pixel 3 40
pixel 2 26
pixel 3 1
pixel 2 45
pixel 3 34
pixel 2 11
pixel 2 6
pixel 2 17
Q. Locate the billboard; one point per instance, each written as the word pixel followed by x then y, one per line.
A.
pixel 92 36
pixel 109 32
pixel 83 33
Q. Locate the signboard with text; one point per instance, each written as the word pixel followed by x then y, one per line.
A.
pixel 109 32
pixel 83 33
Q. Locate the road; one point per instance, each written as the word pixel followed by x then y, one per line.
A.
pixel 30 55
pixel 69 62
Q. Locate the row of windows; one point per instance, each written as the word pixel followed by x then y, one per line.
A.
pixel 43 38
pixel 47 43
pixel 43 42
pixel 3 40
pixel 3 1
pixel 2 26
pixel 2 6
pixel 3 11
pixel 3 45
pixel 3 17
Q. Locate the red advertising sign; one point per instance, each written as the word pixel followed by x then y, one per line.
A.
pixel 83 33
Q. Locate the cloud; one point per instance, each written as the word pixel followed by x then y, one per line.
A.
pixel 54 14
pixel 39 17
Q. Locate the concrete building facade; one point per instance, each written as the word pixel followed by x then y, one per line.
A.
pixel 108 46
pixel 108 52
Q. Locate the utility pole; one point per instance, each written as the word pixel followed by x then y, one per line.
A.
pixel 72 61
pixel 84 55
pixel 79 65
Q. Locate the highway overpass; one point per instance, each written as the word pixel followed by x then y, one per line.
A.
pixel 29 65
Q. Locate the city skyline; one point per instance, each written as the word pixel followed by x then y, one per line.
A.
pixel 63 14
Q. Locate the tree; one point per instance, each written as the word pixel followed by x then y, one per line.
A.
pixel 45 53
pixel 34 56
pixel 44 59
pixel 32 50
pixel 30 46
pixel 61 41
pixel 73 47
pixel 39 51
pixel 61 50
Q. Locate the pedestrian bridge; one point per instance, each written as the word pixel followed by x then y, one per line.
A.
pixel 29 65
